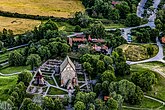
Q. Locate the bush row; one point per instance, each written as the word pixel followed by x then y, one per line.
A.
pixel 35 17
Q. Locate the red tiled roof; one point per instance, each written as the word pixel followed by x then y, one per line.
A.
pixel 115 2
pixel 79 39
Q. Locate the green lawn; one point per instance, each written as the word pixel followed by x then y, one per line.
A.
pixel 54 91
pixel 7 84
pixel 147 103
pixel 12 69
pixel 112 26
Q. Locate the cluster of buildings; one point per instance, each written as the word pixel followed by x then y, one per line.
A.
pixel 81 41
pixel 65 69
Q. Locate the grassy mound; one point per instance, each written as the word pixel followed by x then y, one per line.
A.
pixel 57 8
pixel 138 52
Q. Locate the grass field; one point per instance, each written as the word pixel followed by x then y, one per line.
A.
pixel 137 52
pixel 19 26
pixel 6 84
pixel 58 8
pixel 54 91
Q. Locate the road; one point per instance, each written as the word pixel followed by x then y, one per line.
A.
pixel 140 8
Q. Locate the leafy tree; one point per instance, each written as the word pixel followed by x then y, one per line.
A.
pixel 53 47
pixel 33 60
pixel 77 28
pixel 26 101
pixel 112 104
pixel 122 68
pixel 48 103
pixel 33 106
pixel 44 52
pixel 108 61
pixel 25 76
pixel 91 106
pixel 132 20
pixel 100 66
pixel 79 106
pixel 97 31
pixel 144 79
pixel 108 76
pixel 87 66
pixel 128 90
pixel 1 45
pixel 105 85
pixel 99 104
pixel 15 58
pixel 150 50
pixel 58 104
pixel 97 88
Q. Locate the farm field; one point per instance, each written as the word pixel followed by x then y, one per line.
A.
pixel 57 8
pixel 19 26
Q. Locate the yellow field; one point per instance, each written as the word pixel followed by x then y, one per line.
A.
pixel 57 8
pixel 18 25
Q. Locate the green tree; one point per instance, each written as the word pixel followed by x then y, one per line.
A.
pixel 87 66
pixel 112 104
pixel 33 106
pixel 150 50
pixel 97 88
pixel 132 20
pixel 79 106
pixel 44 52
pixel 144 79
pixel 100 66
pixel 77 28
pixel 25 76
pixel 15 58
pixel 97 31
pixel 48 103
pixel 108 76
pixel 58 105
pixel 25 102
pixel 33 60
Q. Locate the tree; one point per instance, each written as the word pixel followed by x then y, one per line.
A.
pixel 87 66
pixel 33 106
pixel 91 106
pixel 48 103
pixel 79 106
pixel 15 58
pixel 53 47
pixel 97 88
pixel 128 90
pixel 1 45
pixel 132 20
pixel 99 104
pixel 112 104
pixel 58 105
pixel 5 106
pixel 150 50
pixel 25 76
pixel 144 79
pixel 77 28
pixel 44 52
pixel 100 66
pixel 108 61
pixel 108 76
pixel 97 31
pixel 26 101
pixel 105 85
pixel 33 60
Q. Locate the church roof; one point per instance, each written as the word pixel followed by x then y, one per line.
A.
pixel 65 63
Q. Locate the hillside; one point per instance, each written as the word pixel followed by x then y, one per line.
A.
pixel 58 8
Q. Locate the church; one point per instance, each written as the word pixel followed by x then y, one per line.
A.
pixel 68 74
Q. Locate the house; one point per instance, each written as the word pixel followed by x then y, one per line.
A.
pixel 39 80
pixel 102 49
pixel 68 74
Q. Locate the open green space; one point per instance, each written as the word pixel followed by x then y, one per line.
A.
pixel 138 52
pixel 6 85
pixel 14 69
pixel 55 91
pixel 146 104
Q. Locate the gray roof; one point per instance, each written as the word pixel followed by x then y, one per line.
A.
pixel 65 63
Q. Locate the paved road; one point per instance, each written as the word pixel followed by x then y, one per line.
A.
pixel 140 8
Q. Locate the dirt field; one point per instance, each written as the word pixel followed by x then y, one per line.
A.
pixel 18 25
pixel 58 8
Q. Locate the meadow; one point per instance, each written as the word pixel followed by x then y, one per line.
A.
pixel 57 8
pixel 19 26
